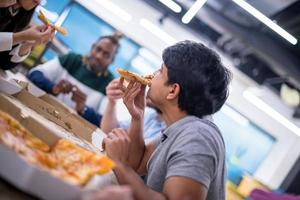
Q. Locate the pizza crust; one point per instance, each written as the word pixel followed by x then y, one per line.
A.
pixel 130 76
pixel 43 18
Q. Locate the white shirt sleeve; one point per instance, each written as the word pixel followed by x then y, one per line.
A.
pixel 52 69
pixel 6 41
pixel 16 58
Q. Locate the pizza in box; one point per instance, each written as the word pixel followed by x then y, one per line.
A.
pixel 65 160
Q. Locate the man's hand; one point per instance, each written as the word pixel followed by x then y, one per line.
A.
pixel 62 86
pixel 80 98
pixel 117 144
pixel 113 91
pixel 134 98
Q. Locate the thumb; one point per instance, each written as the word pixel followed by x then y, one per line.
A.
pixel 41 28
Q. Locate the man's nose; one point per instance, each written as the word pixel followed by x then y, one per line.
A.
pixel 99 56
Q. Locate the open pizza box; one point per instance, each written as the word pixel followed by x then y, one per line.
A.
pixel 47 106
pixel 30 178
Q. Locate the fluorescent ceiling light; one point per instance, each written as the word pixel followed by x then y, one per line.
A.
pixel 155 30
pixel 271 112
pixel 192 11
pixel 122 14
pixel 172 5
pixel 261 17
pixel 237 117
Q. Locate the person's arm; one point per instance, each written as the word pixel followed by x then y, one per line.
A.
pixel 135 101
pixel 39 79
pixel 175 188
pixel 27 39
pixel 127 176
pixel 79 97
pixel 109 119
pixel 117 146
pixel 7 3
pixel 39 34
pixel 137 159
pixel 43 82
pixel 52 69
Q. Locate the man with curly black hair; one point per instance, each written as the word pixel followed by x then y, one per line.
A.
pixel 188 161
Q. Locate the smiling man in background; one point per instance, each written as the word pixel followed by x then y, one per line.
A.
pixel 80 81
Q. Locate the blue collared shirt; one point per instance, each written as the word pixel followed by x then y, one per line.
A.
pixel 153 125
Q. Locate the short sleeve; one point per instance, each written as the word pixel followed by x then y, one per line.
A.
pixel 194 158
pixel 52 70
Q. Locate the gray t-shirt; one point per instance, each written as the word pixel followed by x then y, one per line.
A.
pixel 192 148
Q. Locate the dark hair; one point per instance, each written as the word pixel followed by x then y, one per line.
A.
pixel 115 39
pixel 202 78
pixel 9 23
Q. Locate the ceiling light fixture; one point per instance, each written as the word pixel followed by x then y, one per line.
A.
pixel 188 16
pixel 172 5
pixel 261 17
pixel 260 104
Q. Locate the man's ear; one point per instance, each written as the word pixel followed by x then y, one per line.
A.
pixel 174 90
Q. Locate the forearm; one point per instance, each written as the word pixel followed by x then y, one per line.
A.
pixel 137 147
pixel 109 118
pixel 18 37
pixel 127 176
